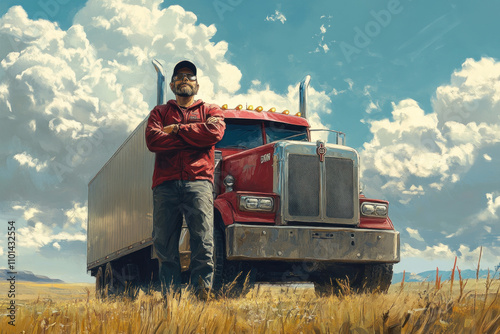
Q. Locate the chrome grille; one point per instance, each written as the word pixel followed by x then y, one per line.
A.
pixel 339 188
pixel 303 185
pixel 315 191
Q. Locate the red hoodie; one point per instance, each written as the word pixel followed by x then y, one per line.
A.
pixel 189 154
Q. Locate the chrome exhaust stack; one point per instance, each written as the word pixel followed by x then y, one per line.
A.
pixel 304 85
pixel 160 83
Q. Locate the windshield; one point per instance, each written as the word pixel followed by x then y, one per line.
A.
pixel 243 136
pixel 280 131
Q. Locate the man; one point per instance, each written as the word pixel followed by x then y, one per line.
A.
pixel 183 133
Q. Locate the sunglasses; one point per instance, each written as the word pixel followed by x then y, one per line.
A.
pixel 181 76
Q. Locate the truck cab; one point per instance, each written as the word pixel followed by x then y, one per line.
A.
pixel 290 209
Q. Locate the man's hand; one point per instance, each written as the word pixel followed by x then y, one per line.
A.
pixel 172 128
pixel 213 120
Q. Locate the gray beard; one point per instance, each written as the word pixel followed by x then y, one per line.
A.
pixel 185 91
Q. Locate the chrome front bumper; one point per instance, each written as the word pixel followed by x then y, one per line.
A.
pixel 306 243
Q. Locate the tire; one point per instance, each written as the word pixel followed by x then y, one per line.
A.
pixel 231 278
pixel 122 280
pixel 325 286
pixel 367 278
pixel 111 284
pixel 99 285
pixel 376 278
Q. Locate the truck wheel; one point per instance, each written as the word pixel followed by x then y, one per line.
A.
pixel 99 287
pixel 376 278
pixel 325 286
pixel 230 277
pixel 367 278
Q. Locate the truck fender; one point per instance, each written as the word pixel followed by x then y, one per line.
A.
pixel 225 209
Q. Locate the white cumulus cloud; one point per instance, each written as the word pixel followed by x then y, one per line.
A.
pixel 77 216
pixel 465 256
pixel 40 235
pixel 440 251
pixel 438 146
pixel 414 234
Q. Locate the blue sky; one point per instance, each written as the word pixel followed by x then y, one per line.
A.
pixel 413 84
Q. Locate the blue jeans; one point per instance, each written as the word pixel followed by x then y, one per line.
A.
pixel 194 200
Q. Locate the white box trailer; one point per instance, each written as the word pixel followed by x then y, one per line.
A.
pixel 120 202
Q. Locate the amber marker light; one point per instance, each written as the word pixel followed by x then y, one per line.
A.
pixel 239 107
pixel 298 114
pixel 286 112
pixel 273 109
pixel 259 108
pixel 250 107
pixel 224 107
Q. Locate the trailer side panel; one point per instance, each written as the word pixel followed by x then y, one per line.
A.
pixel 121 202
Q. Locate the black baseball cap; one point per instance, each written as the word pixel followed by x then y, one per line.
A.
pixel 184 64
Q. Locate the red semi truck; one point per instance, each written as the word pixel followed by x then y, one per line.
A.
pixel 286 209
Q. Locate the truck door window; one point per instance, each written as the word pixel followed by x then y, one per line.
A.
pixel 281 131
pixel 242 136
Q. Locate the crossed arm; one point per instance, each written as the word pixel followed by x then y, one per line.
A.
pixel 174 128
pixel 161 138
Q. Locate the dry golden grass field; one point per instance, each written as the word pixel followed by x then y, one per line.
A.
pixel 466 307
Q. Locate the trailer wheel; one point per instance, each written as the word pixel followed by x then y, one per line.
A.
pixel 99 286
pixel 130 280
pixel 110 281
pixel 231 278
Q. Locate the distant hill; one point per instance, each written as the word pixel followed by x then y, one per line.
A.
pixel 28 276
pixel 430 275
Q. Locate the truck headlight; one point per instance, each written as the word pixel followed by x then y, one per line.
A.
pixel 374 209
pixel 254 203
